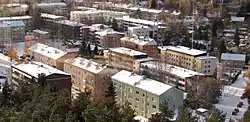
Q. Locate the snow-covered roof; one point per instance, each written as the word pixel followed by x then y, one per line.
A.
pixel 35 68
pixel 47 51
pixel 106 32
pixel 141 21
pixel 52 4
pixel 16 23
pixel 51 16
pixel 126 51
pixel 206 57
pixel 237 19
pixel 233 57
pixel 141 82
pixel 175 70
pixel 15 18
pixel 141 119
pixel 70 23
pixel 4 58
pixel 140 40
pixel 182 49
pixel 202 110
pixel 86 64
pixel 40 31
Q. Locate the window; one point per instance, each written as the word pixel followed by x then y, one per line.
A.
pixel 143 94
pixel 137 92
pixel 136 99
pixel 209 66
pixel 153 106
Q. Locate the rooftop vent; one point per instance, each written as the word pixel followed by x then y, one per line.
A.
pixel 48 51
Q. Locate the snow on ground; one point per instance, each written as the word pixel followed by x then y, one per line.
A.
pixel 231 97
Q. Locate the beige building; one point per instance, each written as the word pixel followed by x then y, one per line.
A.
pixel 49 55
pixel 108 38
pixel 188 58
pixel 124 58
pixel 88 75
pixel 140 43
pixel 143 94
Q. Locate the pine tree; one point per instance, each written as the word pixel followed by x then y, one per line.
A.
pixel 115 25
pixel 153 4
pixel 42 80
pixel 222 48
pixel 185 115
pixel 164 115
pixel 82 50
pixel 80 104
pixel 214 29
pixel 236 38
pixel 89 51
pixel 111 94
pixel 96 50
pixel 127 113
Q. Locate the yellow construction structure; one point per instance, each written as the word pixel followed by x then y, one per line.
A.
pixel 12 53
pixel 26 48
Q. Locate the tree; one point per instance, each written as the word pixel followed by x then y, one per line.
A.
pixel 89 51
pixel 236 38
pixel 82 50
pixel 127 113
pixel 115 25
pixel 111 94
pixel 96 112
pixel 42 79
pixel 79 105
pixel 217 116
pixel 96 50
pixel 214 29
pixel 153 4
pixel 246 117
pixel 164 115
pixel 222 48
pixel 185 115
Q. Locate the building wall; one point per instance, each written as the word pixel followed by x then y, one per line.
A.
pixel 120 61
pixel 206 66
pixel 110 40
pixel 145 103
pixel 235 64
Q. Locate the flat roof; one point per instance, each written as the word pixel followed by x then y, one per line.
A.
pixel 126 51
pixel 147 22
pixel 34 68
pixel 15 18
pixel 86 64
pixel 206 57
pixel 182 49
pixel 51 16
pixel 107 31
pixel 40 31
pixel 16 23
pixel 47 51
pixel 141 82
pixel 233 57
pixel 175 70
pixel 141 40
pixel 70 23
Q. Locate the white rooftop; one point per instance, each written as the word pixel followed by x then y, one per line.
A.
pixel 86 64
pixel 182 49
pixel 47 51
pixel 141 82
pixel 126 51
pixel 35 68
pixel 142 21
pixel 175 70
pixel 237 19
pixel 51 16
pixel 233 57
pixel 140 40
pixel 40 31
pixel 206 57
pixel 15 18
pixel 106 32
pixel 70 23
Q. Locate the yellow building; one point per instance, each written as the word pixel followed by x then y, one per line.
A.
pixel 143 94
pixel 88 75
pixel 124 58
pixel 49 55
pixel 188 58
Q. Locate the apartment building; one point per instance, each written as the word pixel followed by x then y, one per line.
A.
pixel 11 32
pixel 188 58
pixel 95 16
pixel 49 55
pixel 88 33
pixel 49 20
pixel 29 71
pixel 175 76
pixel 151 28
pixel 69 29
pixel 124 58
pixel 90 76
pixel 143 94
pixel 26 19
pixel 108 38
pixel 140 43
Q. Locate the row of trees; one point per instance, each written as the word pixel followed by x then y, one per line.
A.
pixel 86 52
